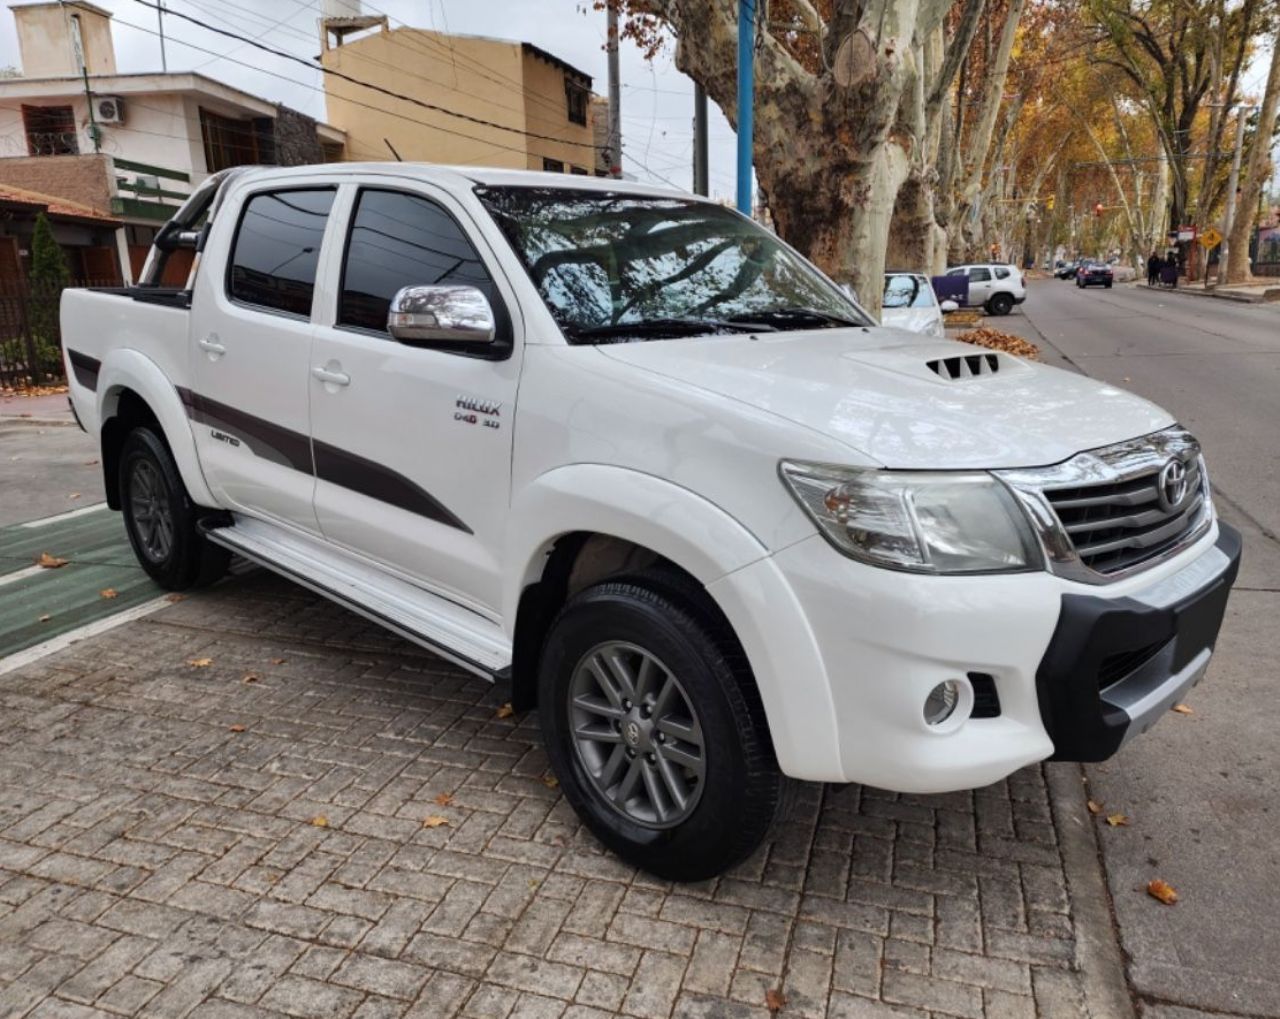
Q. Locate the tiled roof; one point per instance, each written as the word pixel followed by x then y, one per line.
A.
pixel 63 208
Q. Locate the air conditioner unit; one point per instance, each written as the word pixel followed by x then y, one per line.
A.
pixel 108 110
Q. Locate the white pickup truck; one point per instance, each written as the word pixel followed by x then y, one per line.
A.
pixel 624 450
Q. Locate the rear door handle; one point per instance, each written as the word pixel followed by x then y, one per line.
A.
pixel 211 345
pixel 331 376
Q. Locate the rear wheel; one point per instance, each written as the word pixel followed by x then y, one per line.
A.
pixel 1001 304
pixel 1107 285
pixel 655 730
pixel 160 518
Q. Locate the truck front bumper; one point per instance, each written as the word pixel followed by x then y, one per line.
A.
pixel 846 654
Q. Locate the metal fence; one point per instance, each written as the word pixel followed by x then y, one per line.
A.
pixel 30 338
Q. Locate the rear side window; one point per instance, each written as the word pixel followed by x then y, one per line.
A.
pixel 402 240
pixel 980 275
pixel 1002 274
pixel 277 247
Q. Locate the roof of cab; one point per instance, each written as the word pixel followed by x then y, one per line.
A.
pixel 463 176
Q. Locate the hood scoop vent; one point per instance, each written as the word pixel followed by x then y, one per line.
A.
pixel 964 366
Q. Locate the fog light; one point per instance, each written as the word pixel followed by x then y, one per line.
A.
pixel 941 702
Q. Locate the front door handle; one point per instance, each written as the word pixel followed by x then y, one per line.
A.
pixel 330 375
pixel 212 346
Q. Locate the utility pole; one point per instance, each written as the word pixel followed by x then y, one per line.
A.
pixel 746 97
pixel 164 63
pixel 615 94
pixel 701 185
pixel 1232 183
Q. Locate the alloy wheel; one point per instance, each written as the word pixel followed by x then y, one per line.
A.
pixel 636 734
pixel 151 511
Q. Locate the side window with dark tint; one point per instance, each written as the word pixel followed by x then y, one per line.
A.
pixel 402 240
pixel 277 247
pixel 980 275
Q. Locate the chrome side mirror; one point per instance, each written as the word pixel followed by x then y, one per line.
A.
pixel 949 306
pixel 454 314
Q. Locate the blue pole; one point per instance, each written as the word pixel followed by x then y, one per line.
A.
pixel 746 92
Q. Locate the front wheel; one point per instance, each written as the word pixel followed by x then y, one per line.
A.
pixel 655 730
pixel 160 518
pixel 1001 304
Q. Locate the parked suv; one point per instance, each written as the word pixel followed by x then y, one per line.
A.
pixel 624 452
pixel 993 286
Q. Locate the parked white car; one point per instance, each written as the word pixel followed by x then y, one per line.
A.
pixel 993 286
pixel 624 451
pixel 910 303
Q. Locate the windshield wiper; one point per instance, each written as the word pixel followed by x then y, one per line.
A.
pixel 649 328
pixel 781 317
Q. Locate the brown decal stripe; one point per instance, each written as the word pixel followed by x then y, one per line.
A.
pixel 86 368
pixel 378 482
pixel 337 466
pixel 269 441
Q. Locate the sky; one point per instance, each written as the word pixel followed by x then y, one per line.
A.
pixel 657 100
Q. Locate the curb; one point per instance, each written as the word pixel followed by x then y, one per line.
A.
pixel 1098 954
pixel 1226 296
pixel 33 422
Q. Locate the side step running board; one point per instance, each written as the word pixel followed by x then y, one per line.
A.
pixel 441 626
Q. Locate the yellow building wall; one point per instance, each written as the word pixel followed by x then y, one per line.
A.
pixel 45 46
pixel 477 77
pixel 488 79
pixel 547 113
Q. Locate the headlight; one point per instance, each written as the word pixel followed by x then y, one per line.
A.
pixel 923 521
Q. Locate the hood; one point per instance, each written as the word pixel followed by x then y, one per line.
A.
pixel 913 320
pixel 905 400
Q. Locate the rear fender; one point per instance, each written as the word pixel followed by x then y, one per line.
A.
pixel 126 369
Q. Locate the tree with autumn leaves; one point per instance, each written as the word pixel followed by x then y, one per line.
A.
pixel 925 131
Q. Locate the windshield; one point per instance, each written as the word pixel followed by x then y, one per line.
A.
pixel 907 291
pixel 618 267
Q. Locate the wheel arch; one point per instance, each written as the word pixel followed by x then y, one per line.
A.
pixel 133 390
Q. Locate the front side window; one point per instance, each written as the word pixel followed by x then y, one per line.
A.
pixel 907 291
pixel 277 248
pixel 980 275
pixel 402 240
pixel 614 267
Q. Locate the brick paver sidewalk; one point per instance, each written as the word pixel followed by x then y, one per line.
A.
pixel 158 859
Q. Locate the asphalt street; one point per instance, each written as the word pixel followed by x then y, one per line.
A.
pixel 1199 790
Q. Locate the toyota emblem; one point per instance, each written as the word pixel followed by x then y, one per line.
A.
pixel 1171 489
pixel 632 733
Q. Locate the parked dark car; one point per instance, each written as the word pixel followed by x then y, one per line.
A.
pixel 1066 270
pixel 1094 274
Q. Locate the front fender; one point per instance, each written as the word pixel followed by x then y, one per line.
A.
pixel 125 368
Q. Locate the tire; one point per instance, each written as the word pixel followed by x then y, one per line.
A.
pixel 160 517
pixel 1001 304
pixel 728 810
pixel 1107 285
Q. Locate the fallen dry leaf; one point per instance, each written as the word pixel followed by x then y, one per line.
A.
pixel 235 728
pixel 994 339
pixel 1117 820
pixel 1183 709
pixel 550 781
pixel 434 821
pixel 199 663
pixel 250 677
pixel 1094 807
pixel 506 711
pixel 175 597
pixel 278 661
pixel 1162 890
pixel 74 495
pixel 50 562
pixel 774 1000
pixel 320 821
pixel 91 463
pixel 45 618
pixel 444 799
pixel 108 593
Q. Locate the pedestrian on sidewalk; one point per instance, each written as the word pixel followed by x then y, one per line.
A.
pixel 1154 264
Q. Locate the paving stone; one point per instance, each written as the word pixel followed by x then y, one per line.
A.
pixel 158 868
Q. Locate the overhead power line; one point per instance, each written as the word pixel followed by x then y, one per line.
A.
pixel 310 64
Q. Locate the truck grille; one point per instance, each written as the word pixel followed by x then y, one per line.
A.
pixel 1108 512
pixel 1117 526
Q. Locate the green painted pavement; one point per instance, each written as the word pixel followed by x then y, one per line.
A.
pixel 99 557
